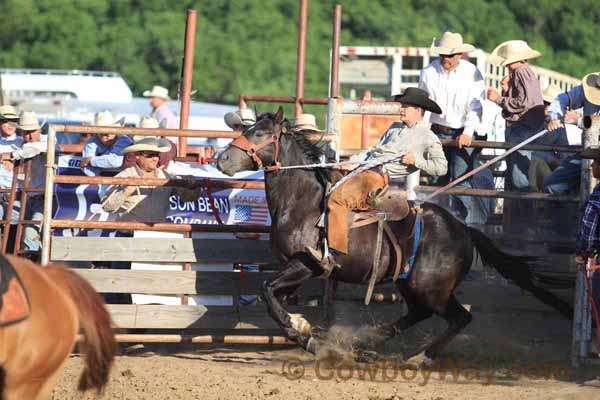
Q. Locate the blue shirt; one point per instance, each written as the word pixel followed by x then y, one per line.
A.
pixel 105 157
pixel 561 102
pixel 588 241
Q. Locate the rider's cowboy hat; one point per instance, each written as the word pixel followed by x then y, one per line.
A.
pixel 419 98
pixel 105 118
pixel 243 116
pixel 306 122
pixel 148 143
pixel 512 51
pixel 8 113
pixel 29 121
pixel 591 88
pixel 157 91
pixel 550 93
pixel 449 44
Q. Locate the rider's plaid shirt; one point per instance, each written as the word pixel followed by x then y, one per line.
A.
pixel 588 242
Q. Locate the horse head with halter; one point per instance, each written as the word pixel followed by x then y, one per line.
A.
pixel 258 146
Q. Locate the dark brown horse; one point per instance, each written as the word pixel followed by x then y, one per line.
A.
pixel 295 199
pixel 34 351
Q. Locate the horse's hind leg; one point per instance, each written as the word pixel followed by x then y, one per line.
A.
pixel 286 282
pixel 457 317
pixel 416 312
pixel 328 308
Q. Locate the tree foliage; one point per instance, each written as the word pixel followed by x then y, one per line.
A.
pixel 249 46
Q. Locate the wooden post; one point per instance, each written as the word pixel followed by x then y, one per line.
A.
pixel 20 226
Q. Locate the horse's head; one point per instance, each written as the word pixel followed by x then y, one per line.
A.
pixel 257 147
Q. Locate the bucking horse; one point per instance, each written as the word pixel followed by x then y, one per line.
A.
pixel 441 260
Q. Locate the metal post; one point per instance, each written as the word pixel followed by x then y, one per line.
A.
pixel 302 22
pixel 20 227
pixel 48 196
pixel 9 210
pixel 334 81
pixel 334 123
pixel 188 70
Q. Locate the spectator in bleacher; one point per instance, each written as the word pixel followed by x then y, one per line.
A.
pixel 34 148
pixel 145 203
pixel 566 177
pixel 544 162
pixel 9 120
pixel 522 106
pixel 240 119
pixel 160 110
pixel 104 152
pixel 458 87
pixel 164 158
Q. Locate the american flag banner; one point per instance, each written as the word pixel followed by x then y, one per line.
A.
pixel 251 215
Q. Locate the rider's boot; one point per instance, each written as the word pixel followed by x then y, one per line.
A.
pixel 328 263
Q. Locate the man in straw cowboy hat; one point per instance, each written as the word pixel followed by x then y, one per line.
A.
pixel 164 158
pixel 458 87
pixel 160 110
pixel 522 105
pixel 146 203
pixel 422 151
pixel 586 96
pixel 104 151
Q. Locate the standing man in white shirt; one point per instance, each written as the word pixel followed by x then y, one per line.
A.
pixel 160 111
pixel 458 87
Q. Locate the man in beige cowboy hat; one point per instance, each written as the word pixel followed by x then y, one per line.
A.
pixel 586 96
pixel 522 105
pixel 164 158
pixel 422 151
pixel 104 152
pixel 145 203
pixel 240 119
pixel 9 120
pixel 458 87
pixel 160 110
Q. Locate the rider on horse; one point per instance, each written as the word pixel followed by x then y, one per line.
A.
pixel 422 151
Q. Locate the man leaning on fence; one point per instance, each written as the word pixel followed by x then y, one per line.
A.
pixel 457 86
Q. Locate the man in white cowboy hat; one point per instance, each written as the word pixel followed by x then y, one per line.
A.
pixel 422 151
pixel 164 158
pixel 587 97
pixel 240 119
pixel 9 120
pixel 522 105
pixel 458 87
pixel 544 162
pixel 104 152
pixel 145 203
pixel 160 110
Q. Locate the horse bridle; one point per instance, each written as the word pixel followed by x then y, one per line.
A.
pixel 252 149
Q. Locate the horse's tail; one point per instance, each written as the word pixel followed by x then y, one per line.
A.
pixel 518 269
pixel 99 345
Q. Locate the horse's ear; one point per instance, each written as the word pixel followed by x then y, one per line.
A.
pixel 278 119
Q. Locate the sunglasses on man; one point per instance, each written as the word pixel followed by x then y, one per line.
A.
pixel 148 154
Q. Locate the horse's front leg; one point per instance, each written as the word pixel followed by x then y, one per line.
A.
pixel 285 282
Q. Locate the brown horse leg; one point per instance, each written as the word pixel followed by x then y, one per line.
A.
pixel 457 317
pixel 285 282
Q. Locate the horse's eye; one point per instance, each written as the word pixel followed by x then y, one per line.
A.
pixel 258 133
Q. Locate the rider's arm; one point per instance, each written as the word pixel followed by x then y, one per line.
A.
pixel 557 108
pixel 432 161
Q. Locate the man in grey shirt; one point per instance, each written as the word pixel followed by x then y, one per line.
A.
pixel 420 149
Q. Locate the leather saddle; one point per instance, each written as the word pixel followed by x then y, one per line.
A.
pixel 14 302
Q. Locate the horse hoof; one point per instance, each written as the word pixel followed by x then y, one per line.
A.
pixel 420 361
pixel 311 345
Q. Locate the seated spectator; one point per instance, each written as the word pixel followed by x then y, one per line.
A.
pixel 240 119
pixel 565 179
pixel 34 148
pixel 9 140
pixel 164 158
pixel 9 120
pixel 103 152
pixel 544 162
pixel 146 203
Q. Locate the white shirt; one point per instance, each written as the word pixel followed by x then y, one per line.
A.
pixel 459 93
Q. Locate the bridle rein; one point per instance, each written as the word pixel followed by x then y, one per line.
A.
pixel 252 149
